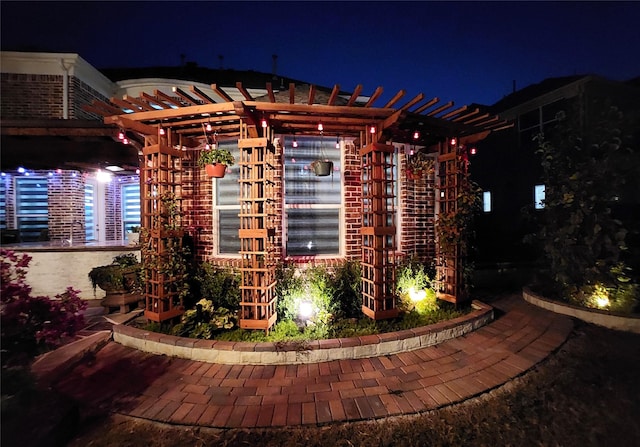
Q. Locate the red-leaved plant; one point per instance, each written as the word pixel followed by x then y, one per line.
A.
pixel 33 324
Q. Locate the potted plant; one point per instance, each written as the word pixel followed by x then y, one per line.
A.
pixel 120 280
pixel 216 161
pixel 420 165
pixel 322 168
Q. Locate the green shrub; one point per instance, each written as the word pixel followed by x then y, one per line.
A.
pixel 204 321
pixel 221 285
pixel 346 285
pixel 413 276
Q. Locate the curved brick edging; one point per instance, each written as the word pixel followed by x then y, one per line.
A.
pixel 595 316
pixel 245 353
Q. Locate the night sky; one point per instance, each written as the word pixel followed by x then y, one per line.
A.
pixel 468 52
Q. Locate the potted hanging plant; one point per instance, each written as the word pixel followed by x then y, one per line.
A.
pixel 216 161
pixel 322 168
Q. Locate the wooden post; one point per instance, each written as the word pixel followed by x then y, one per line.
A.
pixel 378 232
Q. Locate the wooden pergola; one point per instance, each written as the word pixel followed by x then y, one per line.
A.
pixel 167 127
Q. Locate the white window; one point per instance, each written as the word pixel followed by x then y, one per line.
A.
pixel 3 203
pixel 538 196
pixel 226 206
pixel 32 207
pixel 89 211
pixel 486 201
pixel 313 205
pixel 130 206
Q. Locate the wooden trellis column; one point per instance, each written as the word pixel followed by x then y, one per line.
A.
pixel 378 232
pixel 160 179
pixel 257 206
pixel 449 274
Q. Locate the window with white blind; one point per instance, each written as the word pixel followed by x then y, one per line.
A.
pixel 130 206
pixel 89 211
pixel 226 205
pixel 32 207
pixel 313 205
pixel 3 204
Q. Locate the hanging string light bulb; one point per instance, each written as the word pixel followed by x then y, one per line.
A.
pixel 161 130
pixel 209 128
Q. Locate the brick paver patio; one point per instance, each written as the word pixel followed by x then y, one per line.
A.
pixel 159 388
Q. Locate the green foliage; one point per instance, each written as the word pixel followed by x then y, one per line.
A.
pixel 211 156
pixel 413 276
pixel 123 274
pixel 346 287
pixel 591 183
pixel 204 321
pixel 218 284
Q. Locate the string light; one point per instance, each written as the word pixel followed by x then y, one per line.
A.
pixel 453 141
pixel 372 129
pixel 209 128
pixel 338 142
pixel 264 123
pixel 416 135
pixel 125 140
pixel 161 130
pixel 121 135
pixel 295 142
pixel 320 127
pixel 473 151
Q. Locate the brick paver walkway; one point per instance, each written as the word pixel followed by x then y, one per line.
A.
pixel 181 391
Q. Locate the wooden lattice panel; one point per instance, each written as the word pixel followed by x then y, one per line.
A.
pixel 257 208
pixel 378 232
pixel 449 274
pixel 160 174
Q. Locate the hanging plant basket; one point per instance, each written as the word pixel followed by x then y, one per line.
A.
pixel 216 170
pixel 322 168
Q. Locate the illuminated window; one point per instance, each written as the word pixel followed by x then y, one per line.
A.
pixel 130 206
pixel 313 205
pixel 226 206
pixel 3 204
pixel 486 201
pixel 32 207
pixel 538 196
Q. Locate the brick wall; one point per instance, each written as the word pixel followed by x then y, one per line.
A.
pixel 417 208
pixel 81 93
pixel 66 205
pixel 26 96
pixel 31 96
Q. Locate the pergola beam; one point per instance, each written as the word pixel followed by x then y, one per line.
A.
pixel 334 95
pixel 202 95
pixel 395 99
pixel 354 95
pixel 441 109
pixel 244 91
pixel 428 104
pixel 182 94
pixel 374 97
pixel 167 98
pixel 221 93
pixel 152 100
pixel 136 126
pixel 272 97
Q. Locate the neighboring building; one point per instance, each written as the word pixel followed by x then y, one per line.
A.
pixel 509 172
